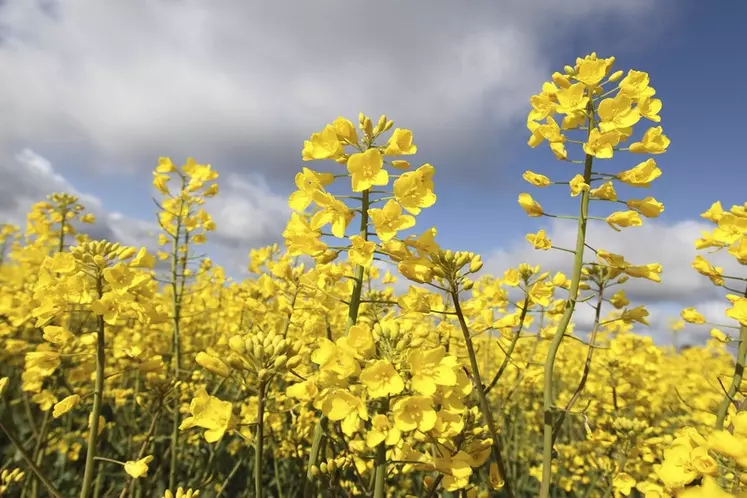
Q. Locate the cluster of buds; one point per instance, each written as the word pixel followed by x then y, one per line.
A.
pixel 182 493
pixel 264 354
pixel 450 266
pixel 629 426
pixel 332 465
pixel 100 254
pixel 8 478
pixel 393 342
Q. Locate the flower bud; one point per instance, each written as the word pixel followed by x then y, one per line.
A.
pixel 476 264
pixel 561 80
pixel 280 362
pixel 294 362
pixel 212 364
pixel 615 76
pixel 237 344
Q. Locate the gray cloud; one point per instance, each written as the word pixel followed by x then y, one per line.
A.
pixel 245 82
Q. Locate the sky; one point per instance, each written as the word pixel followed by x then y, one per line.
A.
pixel 94 91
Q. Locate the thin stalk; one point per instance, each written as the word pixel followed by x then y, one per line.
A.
pixel 587 366
pixel 38 453
pixel 565 320
pixel 30 462
pixel 736 381
pixel 141 454
pixel 511 347
pixel 176 346
pixel 259 443
pixel 480 389
pixel 98 393
pixel 229 477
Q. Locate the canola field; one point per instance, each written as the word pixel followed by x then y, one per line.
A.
pixel 362 358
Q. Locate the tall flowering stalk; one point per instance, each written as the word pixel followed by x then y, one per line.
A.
pixel 606 116
pixel 184 224
pixel 730 233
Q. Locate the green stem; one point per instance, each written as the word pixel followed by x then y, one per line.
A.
pixel 736 381
pixel 30 462
pixel 487 411
pixel 176 347
pixel 381 471
pixel 565 320
pixel 511 347
pixel 353 308
pixel 229 477
pixel 98 392
pixel 38 453
pixel 259 443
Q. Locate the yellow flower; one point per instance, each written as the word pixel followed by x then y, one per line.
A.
pixel 624 219
pixel 324 145
pixel 366 170
pixel 690 315
pixel 601 145
pixel 382 431
pixel 529 205
pixel 653 142
pixel 209 412
pixel 64 406
pixel 536 180
pixel 400 143
pixel 389 220
pixel 641 175
pixel 648 207
pixel 578 185
pixel 382 379
pixel 623 483
pixel 361 252
pixel 414 412
pixel 539 240
pixel 139 468
pixel 431 368
pixel 617 113
pixel 414 189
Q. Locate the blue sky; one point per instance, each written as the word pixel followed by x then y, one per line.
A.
pixel 100 89
pixel 697 67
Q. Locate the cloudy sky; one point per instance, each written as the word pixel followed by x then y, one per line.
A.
pixel 94 91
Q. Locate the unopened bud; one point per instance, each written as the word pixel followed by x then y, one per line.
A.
pixel 237 344
pixel 280 362
pixel 476 264
pixel 561 80
pixel 615 76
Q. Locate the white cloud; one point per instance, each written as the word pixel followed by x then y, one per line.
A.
pixel 247 213
pixel 238 80
pixel 655 242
